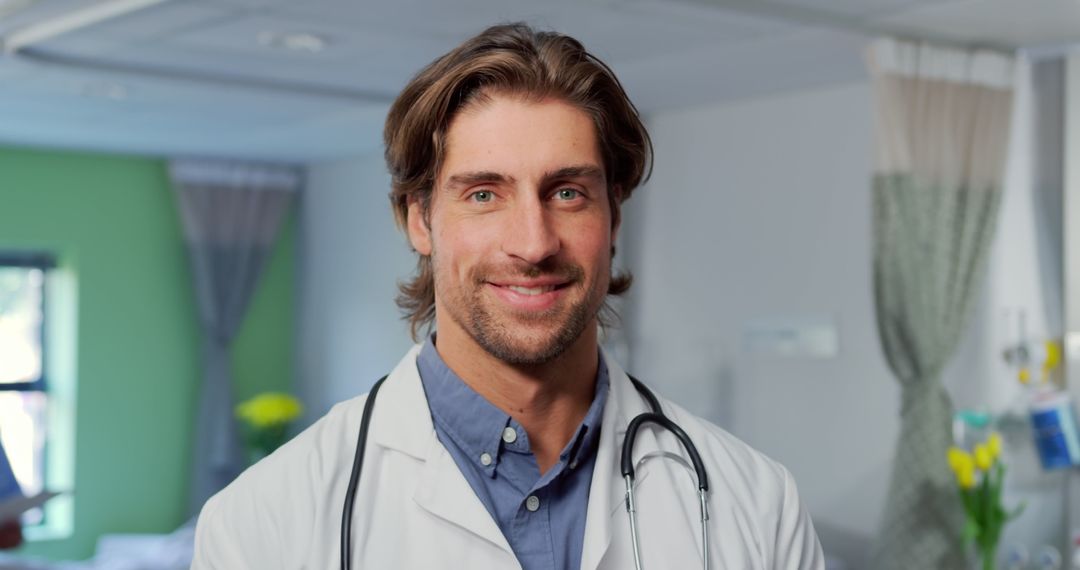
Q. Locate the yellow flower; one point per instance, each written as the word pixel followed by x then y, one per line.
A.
pixel 960 460
pixel 983 458
pixel 269 409
pixel 963 466
pixel 966 478
pixel 993 443
pixel 1053 356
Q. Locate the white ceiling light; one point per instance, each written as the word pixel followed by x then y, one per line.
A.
pixel 293 41
pixel 71 21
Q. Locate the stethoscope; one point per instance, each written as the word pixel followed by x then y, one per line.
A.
pixel 656 416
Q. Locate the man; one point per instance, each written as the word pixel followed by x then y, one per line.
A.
pixel 495 443
pixel 10 530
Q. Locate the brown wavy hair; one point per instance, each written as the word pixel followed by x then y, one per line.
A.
pixel 505 59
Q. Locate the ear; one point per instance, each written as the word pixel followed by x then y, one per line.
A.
pixel 418 229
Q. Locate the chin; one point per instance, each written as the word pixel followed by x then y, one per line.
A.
pixel 524 356
pixel 525 343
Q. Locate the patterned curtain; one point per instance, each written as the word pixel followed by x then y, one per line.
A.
pixel 943 122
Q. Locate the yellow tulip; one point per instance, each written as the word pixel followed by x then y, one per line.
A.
pixel 993 443
pixel 1053 356
pixel 960 460
pixel 966 478
pixel 983 459
pixel 270 409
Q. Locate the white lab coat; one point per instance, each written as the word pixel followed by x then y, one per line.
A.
pixel 415 510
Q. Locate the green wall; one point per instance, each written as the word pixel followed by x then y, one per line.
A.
pixel 113 221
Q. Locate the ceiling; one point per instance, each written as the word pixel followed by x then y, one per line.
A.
pixel 218 78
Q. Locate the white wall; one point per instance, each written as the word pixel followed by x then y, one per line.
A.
pixel 352 256
pixel 762 209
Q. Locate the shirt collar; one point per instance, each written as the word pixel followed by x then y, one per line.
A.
pixel 476 425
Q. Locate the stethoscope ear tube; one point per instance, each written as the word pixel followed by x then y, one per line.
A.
pixel 663 421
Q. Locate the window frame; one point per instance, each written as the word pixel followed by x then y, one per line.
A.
pixel 46 263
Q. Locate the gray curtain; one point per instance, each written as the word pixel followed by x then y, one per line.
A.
pixel 231 215
pixel 943 128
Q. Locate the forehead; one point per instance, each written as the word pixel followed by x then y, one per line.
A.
pixel 520 137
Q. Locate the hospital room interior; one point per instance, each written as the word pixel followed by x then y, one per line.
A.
pixel 856 252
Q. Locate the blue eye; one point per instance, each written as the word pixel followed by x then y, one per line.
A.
pixel 482 196
pixel 567 194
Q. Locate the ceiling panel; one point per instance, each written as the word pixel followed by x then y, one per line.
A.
pixel 238 97
pixel 172 118
pixel 860 8
pixel 997 22
pixel 230 48
pixel 622 29
pixel 37 11
pixel 633 31
pixel 807 60
pixel 162 20
pixel 13 70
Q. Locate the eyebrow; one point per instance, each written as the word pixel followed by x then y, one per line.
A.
pixel 580 171
pixel 478 177
pixel 491 177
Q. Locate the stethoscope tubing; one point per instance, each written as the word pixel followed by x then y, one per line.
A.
pixel 354 478
pixel 656 416
pixel 628 476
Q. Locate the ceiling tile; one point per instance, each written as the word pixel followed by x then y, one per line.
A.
pixel 860 8
pixel 160 21
pixel 997 22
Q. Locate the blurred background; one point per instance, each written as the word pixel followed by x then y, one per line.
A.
pixel 139 302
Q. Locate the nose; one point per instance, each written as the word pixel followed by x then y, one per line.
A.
pixel 530 233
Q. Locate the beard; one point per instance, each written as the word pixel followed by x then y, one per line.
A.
pixel 516 337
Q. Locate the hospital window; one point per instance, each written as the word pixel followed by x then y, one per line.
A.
pixel 23 374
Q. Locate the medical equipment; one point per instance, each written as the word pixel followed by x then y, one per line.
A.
pixel 656 416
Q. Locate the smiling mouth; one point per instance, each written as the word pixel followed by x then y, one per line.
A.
pixel 533 290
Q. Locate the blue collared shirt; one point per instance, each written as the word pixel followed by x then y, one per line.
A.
pixel 543 518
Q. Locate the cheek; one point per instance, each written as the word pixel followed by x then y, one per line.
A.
pixel 592 245
pixel 459 247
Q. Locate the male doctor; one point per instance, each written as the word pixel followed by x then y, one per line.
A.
pixel 495 442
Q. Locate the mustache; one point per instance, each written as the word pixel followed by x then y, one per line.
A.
pixel 567 272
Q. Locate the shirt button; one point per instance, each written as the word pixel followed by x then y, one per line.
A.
pixel 509 435
pixel 485 459
pixel 532 503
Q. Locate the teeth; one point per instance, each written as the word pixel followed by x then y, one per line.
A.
pixel 530 290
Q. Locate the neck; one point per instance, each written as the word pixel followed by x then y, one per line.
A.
pixel 549 400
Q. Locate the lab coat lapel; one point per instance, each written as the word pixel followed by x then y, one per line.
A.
pixel 444 492
pixel 402 421
pixel 607 493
